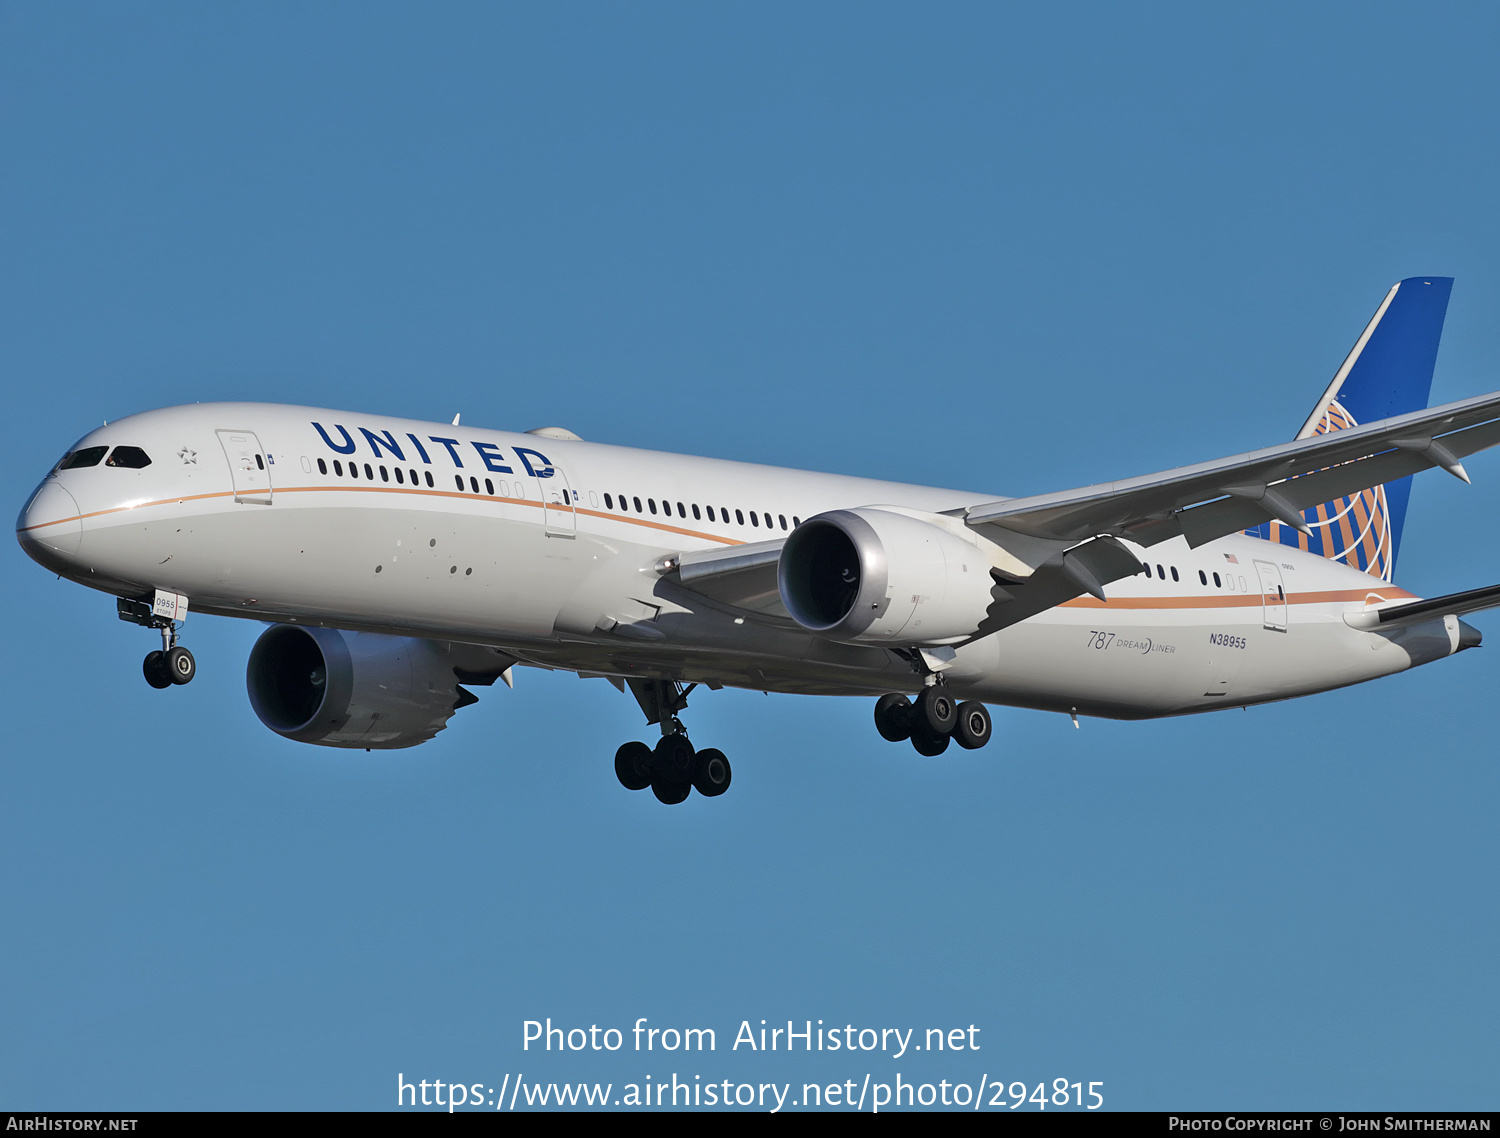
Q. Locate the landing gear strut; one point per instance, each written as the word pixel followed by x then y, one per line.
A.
pixel 934 719
pixel 673 769
pixel 173 664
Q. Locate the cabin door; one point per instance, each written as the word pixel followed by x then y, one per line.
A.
pixel 249 466
pixel 1272 595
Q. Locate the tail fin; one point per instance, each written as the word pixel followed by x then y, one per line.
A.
pixel 1388 372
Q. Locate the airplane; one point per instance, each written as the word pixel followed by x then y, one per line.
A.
pixel 400 563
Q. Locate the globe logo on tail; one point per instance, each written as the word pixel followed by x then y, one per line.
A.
pixel 1355 530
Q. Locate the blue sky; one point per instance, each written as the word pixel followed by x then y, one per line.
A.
pixel 1007 248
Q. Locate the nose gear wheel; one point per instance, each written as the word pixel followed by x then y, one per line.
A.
pixel 173 664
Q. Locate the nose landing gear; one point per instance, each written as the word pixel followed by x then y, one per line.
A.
pixel 673 769
pixel 173 664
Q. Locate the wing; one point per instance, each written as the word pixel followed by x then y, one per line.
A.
pixel 1068 542
pixel 741 576
pixel 1210 500
pixel 1050 548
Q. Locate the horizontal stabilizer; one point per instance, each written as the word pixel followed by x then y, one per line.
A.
pixel 1413 612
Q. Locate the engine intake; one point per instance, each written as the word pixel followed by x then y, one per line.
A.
pixel 876 576
pixel 351 689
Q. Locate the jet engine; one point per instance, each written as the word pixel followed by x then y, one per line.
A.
pixel 875 576
pixel 352 689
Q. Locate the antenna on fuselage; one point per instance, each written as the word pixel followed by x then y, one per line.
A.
pixel 455 419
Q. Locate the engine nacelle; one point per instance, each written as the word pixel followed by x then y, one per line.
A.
pixel 875 576
pixel 351 689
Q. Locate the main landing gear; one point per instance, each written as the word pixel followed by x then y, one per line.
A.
pixel 673 769
pixel 934 719
pixel 173 664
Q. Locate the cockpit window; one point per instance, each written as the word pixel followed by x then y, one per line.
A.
pixel 88 456
pixel 132 457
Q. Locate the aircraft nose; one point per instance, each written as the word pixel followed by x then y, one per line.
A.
pixel 49 528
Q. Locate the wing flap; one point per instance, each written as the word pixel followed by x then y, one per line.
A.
pixel 1205 523
pixel 1083 569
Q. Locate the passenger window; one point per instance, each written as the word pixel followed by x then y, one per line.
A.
pixel 401 478
pixel 782 519
pixel 473 484
pixel 638 507
pixel 1201 577
pixel 413 477
pixel 1160 572
pixel 260 462
pixel 739 516
pixel 710 510
pixel 681 510
pixel 1218 584
pixel 353 470
pixel 88 456
pixel 458 480
pixel 609 503
pixel 696 515
pixel 796 521
pixel 1174 573
pixel 651 504
pixel 384 477
pixel 338 467
pixel 489 487
pixel 429 477
pixel 322 467
pixel 370 474
pixel 752 519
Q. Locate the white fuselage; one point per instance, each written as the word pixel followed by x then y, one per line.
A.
pixel 520 542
